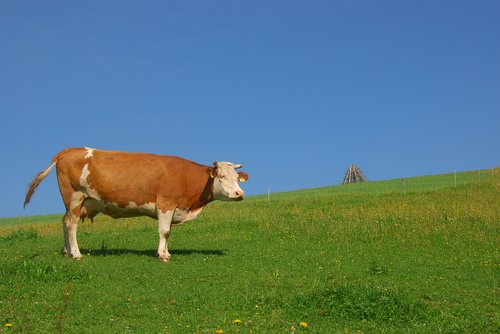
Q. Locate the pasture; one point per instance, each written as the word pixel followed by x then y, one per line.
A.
pixel 418 255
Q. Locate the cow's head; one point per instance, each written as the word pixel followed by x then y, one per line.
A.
pixel 226 187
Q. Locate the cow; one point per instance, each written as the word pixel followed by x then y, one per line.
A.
pixel 171 189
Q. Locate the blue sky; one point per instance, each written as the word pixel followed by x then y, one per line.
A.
pixel 294 90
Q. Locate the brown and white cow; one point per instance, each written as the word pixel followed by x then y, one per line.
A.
pixel 119 184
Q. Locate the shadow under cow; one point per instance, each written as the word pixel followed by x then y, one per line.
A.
pixel 151 253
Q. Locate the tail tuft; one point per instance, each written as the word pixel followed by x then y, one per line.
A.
pixel 36 182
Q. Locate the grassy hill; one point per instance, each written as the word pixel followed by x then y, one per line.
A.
pixel 417 255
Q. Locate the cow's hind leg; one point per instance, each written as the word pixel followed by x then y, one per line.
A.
pixel 164 225
pixel 70 226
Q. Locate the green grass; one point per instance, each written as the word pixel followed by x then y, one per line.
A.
pixel 372 257
pixel 28 220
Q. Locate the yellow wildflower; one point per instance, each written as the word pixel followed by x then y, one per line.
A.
pixel 8 324
pixel 303 324
pixel 219 331
pixel 237 321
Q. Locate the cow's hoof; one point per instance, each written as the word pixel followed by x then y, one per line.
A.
pixel 164 257
pixel 76 256
pixel 73 256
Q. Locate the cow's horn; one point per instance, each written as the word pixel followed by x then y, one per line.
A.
pixel 238 166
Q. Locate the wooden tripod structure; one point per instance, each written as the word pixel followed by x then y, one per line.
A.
pixel 353 175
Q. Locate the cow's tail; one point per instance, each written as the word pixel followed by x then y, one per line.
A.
pixel 39 178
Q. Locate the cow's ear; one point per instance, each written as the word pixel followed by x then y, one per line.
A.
pixel 242 176
pixel 212 172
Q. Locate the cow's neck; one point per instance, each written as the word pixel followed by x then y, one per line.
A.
pixel 207 194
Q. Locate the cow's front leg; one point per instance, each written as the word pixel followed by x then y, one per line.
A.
pixel 164 225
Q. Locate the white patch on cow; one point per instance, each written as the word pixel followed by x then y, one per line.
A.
pixel 90 152
pixel 184 215
pixel 76 199
pixel 164 226
pixel 193 214
pixel 84 175
pixel 83 183
pixel 131 205
pixel 114 210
